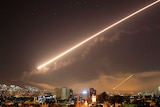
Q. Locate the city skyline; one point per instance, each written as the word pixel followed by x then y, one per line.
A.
pixel 36 31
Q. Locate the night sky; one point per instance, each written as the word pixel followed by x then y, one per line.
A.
pixel 35 31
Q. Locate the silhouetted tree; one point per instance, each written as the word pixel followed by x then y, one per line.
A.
pixel 103 97
pixel 116 99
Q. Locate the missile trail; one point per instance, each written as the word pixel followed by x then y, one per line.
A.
pixel 122 82
pixel 97 34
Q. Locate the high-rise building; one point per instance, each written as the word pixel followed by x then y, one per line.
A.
pixel 70 93
pixel 158 91
pixel 64 94
pixel 57 92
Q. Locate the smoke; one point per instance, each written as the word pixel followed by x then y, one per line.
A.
pixel 136 83
pixel 42 85
pixel 97 34
pixel 103 38
pixel 108 83
pixel 85 51
pixel 70 59
pixel 81 55
pixel 109 66
pixel 58 64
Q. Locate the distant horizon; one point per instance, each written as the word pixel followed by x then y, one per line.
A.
pixel 79 89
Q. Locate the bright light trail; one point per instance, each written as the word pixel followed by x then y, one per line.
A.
pixel 97 34
pixel 122 82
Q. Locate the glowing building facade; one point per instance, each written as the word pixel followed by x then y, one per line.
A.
pixel 64 93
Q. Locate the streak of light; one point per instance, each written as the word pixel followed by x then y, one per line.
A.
pixel 97 34
pixel 122 82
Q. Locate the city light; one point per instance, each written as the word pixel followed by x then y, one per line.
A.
pixel 85 103
pixel 95 35
pixel 93 99
pixel 84 92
